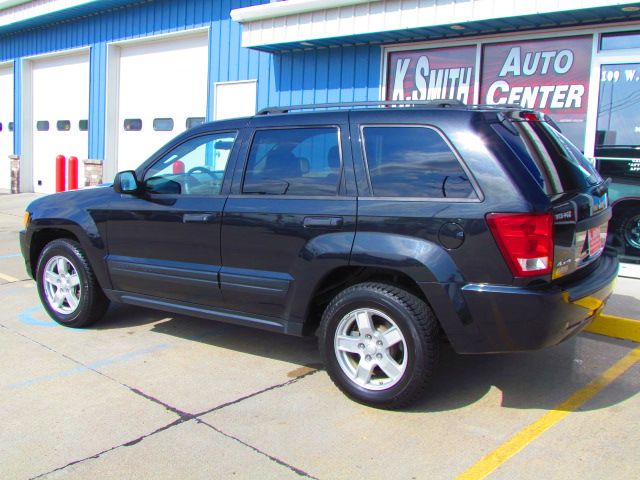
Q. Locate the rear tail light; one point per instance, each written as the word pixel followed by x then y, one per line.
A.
pixel 525 240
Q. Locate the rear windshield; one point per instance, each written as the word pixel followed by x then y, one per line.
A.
pixel 556 164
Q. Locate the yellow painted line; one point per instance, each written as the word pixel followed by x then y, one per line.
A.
pixel 520 440
pixel 617 327
pixel 8 278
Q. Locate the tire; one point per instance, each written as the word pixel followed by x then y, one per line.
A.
pixel 627 228
pixel 388 367
pixel 67 285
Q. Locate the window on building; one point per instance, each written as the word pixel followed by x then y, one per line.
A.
pixel 162 124
pixel 407 161
pixel 195 167
pixel 294 161
pixel 194 122
pixel 83 125
pixel 132 124
pixel 0 126
pixel 42 125
pixel 63 125
pixel 620 40
pixel 11 126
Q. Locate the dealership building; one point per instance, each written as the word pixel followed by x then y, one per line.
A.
pixel 110 81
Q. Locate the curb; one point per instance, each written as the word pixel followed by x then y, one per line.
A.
pixel 617 327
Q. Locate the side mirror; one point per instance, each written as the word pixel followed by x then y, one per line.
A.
pixel 126 182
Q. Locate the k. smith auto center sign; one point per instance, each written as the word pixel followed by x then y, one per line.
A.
pixel 550 75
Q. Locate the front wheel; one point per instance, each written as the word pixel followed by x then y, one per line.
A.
pixel 379 344
pixel 67 286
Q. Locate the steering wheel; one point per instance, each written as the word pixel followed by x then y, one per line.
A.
pixel 200 169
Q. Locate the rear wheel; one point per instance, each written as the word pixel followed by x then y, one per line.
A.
pixel 379 344
pixel 627 227
pixel 67 286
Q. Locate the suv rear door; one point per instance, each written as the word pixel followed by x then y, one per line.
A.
pixel 291 214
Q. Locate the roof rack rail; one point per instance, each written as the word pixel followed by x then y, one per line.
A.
pixel 382 103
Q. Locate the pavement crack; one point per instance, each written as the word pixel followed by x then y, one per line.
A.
pixel 182 416
pixel 177 411
pixel 277 460
pixel 254 394
pixel 126 444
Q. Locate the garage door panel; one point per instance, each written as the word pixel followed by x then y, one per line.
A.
pixel 165 81
pixel 61 98
pixel 6 117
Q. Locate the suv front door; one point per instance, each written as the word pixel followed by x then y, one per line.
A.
pixel 290 217
pixel 165 241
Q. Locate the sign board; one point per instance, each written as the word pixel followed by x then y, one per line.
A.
pixel 550 75
pixel 433 74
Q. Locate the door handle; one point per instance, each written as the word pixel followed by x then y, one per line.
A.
pixel 323 222
pixel 196 217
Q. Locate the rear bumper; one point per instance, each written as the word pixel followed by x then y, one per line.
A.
pixel 507 318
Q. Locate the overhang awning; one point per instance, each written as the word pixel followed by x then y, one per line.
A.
pixel 22 14
pixel 300 24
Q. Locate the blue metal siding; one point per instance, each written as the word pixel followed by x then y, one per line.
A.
pixel 286 78
pixel 17 107
pixel 97 99
pixel 228 61
pixel 345 74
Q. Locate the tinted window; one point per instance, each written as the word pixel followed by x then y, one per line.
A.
pixel 63 125
pixel 554 162
pixel 413 162
pixel 11 126
pixel 294 161
pixel 163 124
pixel 42 125
pixel 195 167
pixel 83 125
pixel 132 124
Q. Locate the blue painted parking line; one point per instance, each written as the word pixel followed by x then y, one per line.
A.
pixel 11 255
pixel 27 317
pixel 85 368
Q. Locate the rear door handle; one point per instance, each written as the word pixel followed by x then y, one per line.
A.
pixel 323 222
pixel 196 217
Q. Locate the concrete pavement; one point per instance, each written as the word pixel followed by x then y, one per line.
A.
pixel 145 394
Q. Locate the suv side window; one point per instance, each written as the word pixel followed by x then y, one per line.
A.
pixel 294 161
pixel 413 161
pixel 195 167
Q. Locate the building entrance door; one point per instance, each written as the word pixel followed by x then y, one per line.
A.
pixel 617 149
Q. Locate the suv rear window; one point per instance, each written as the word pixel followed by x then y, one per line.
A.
pixel 413 161
pixel 556 164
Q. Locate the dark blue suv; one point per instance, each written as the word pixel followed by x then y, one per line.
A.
pixel 381 230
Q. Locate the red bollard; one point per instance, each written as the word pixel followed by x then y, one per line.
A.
pixel 60 173
pixel 178 167
pixel 73 173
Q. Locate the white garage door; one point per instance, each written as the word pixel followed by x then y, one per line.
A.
pixel 163 91
pixel 60 113
pixel 6 125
